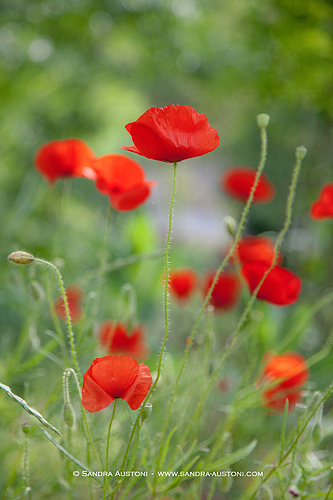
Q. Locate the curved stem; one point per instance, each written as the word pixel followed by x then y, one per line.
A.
pixel 108 444
pixel 248 308
pixel 166 318
pixel 262 161
pixel 68 316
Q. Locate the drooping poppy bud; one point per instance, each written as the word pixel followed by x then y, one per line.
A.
pixel 172 134
pixel 281 287
pixel 114 377
pixel 237 182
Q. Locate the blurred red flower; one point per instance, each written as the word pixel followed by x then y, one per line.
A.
pixel 281 287
pixel 226 292
pixel 114 337
pixel 182 283
pixel 123 180
pixel 65 158
pixel 290 372
pixel 256 248
pixel 238 181
pixel 172 134
pixel 114 377
pixel 74 296
pixel 322 208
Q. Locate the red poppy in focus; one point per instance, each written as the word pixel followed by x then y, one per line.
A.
pixel 172 134
pixel 290 372
pixel 182 283
pixel 281 287
pixel 322 208
pixel 238 181
pixel 114 377
pixel 65 158
pixel 74 296
pixel 115 338
pixel 256 248
pixel 226 292
pixel 123 180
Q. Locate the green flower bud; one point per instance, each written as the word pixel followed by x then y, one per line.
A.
pixel 263 120
pixel 68 414
pixel 230 224
pixel 21 257
pixel 146 411
pixel 301 153
pixel 26 429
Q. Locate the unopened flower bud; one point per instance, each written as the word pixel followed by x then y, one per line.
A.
pixel 263 120
pixel 230 224
pixel 301 153
pixel 146 411
pixel 68 414
pixel 21 257
pixel 26 429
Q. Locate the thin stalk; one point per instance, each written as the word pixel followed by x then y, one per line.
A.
pixel 108 445
pixel 262 161
pixel 250 303
pixel 166 318
pixel 68 316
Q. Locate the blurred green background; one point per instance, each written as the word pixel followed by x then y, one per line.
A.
pixel 85 68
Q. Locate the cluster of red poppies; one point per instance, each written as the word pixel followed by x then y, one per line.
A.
pixel 255 255
pixel 173 134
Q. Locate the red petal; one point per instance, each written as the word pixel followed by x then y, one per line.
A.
pixel 137 392
pixel 172 134
pixel 65 158
pixel 116 172
pixel 131 199
pixel 182 283
pixel 256 248
pixel 226 292
pixel 114 374
pixel 94 398
pixel 322 208
pixel 281 287
pixel 238 181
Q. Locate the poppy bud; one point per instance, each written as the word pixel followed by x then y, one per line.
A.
pixel 230 224
pixel 301 153
pixel 68 414
pixel 21 257
pixel 146 411
pixel 263 120
pixel 26 429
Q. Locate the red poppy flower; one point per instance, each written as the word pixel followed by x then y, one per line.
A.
pixel 290 372
pixel 66 158
pixel 74 296
pixel 322 208
pixel 123 180
pixel 114 377
pixel 281 287
pixel 172 134
pixel 182 283
pixel 226 292
pixel 115 338
pixel 256 248
pixel 238 181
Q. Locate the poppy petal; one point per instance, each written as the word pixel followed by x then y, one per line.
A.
pixel 114 374
pixel 136 393
pixel 322 208
pixel 131 199
pixel 172 134
pixel 238 181
pixel 94 398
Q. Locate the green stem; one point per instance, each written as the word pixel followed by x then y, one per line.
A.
pixel 108 446
pixel 262 161
pixel 166 319
pixel 296 441
pixel 68 316
pixel 250 303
